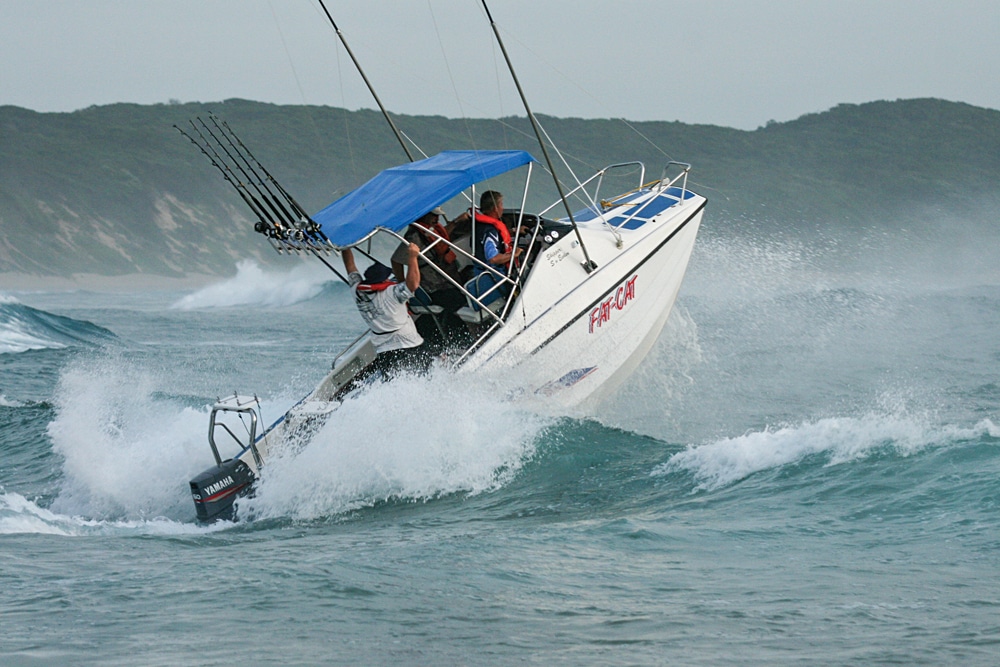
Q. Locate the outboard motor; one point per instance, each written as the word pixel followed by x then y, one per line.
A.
pixel 215 490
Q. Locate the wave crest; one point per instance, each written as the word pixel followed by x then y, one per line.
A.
pixel 414 439
pixel 19 516
pixel 24 328
pixel 127 452
pixel 253 286
pixel 840 440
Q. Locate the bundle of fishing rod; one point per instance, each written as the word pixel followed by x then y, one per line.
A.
pixel 280 218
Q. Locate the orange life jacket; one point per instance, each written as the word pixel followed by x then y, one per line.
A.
pixel 505 240
pixel 441 249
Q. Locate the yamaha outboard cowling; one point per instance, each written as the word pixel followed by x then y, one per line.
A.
pixel 215 490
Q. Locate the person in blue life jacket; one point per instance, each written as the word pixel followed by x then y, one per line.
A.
pixel 494 247
pixel 382 303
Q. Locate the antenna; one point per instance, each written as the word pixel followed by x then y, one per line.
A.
pixel 588 263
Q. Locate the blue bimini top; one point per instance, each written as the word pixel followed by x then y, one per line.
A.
pixel 398 196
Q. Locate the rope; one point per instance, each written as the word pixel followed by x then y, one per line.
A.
pixel 591 96
pixel 298 84
pixel 451 77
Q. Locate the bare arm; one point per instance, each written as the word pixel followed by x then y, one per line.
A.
pixel 397 270
pixel 413 269
pixel 504 257
pixel 349 260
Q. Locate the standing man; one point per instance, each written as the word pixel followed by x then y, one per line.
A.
pixel 382 303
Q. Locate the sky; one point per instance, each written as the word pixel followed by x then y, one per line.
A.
pixel 720 62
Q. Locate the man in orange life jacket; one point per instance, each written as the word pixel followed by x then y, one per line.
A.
pixel 493 243
pixel 427 231
pixel 382 303
pixel 446 329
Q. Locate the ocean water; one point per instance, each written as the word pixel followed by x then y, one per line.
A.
pixel 805 471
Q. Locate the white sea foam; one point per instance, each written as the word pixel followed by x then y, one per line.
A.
pixel 19 516
pixel 10 403
pixel 414 439
pixel 253 286
pixel 126 454
pixel 840 440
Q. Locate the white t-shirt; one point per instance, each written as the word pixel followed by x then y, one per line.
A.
pixel 386 314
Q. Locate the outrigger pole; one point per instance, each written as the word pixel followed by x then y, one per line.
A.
pixel 281 218
pixel 371 89
pixel 588 264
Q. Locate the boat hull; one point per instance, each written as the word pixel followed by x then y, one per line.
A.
pixel 597 332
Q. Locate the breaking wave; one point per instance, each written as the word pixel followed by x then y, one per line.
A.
pixel 836 440
pixel 127 451
pixel 24 328
pixel 253 286
pixel 19 515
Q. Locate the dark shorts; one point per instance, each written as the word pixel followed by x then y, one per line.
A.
pixel 389 365
pixel 405 360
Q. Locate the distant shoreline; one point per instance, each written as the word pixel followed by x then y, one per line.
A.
pixel 135 282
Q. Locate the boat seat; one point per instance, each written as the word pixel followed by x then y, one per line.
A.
pixel 420 304
pixel 493 299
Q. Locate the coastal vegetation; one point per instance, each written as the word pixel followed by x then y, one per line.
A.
pixel 116 190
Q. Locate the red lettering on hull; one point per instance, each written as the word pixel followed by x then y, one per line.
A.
pixel 617 301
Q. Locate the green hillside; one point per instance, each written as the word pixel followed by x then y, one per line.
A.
pixel 117 190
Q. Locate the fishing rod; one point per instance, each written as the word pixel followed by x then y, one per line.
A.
pixel 371 89
pixel 223 170
pixel 285 231
pixel 262 226
pixel 282 221
pixel 273 201
pixel 276 228
pixel 256 205
pixel 304 224
pixel 300 226
pixel 304 217
pixel 589 264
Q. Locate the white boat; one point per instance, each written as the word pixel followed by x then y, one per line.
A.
pixel 570 329
pixel 568 322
